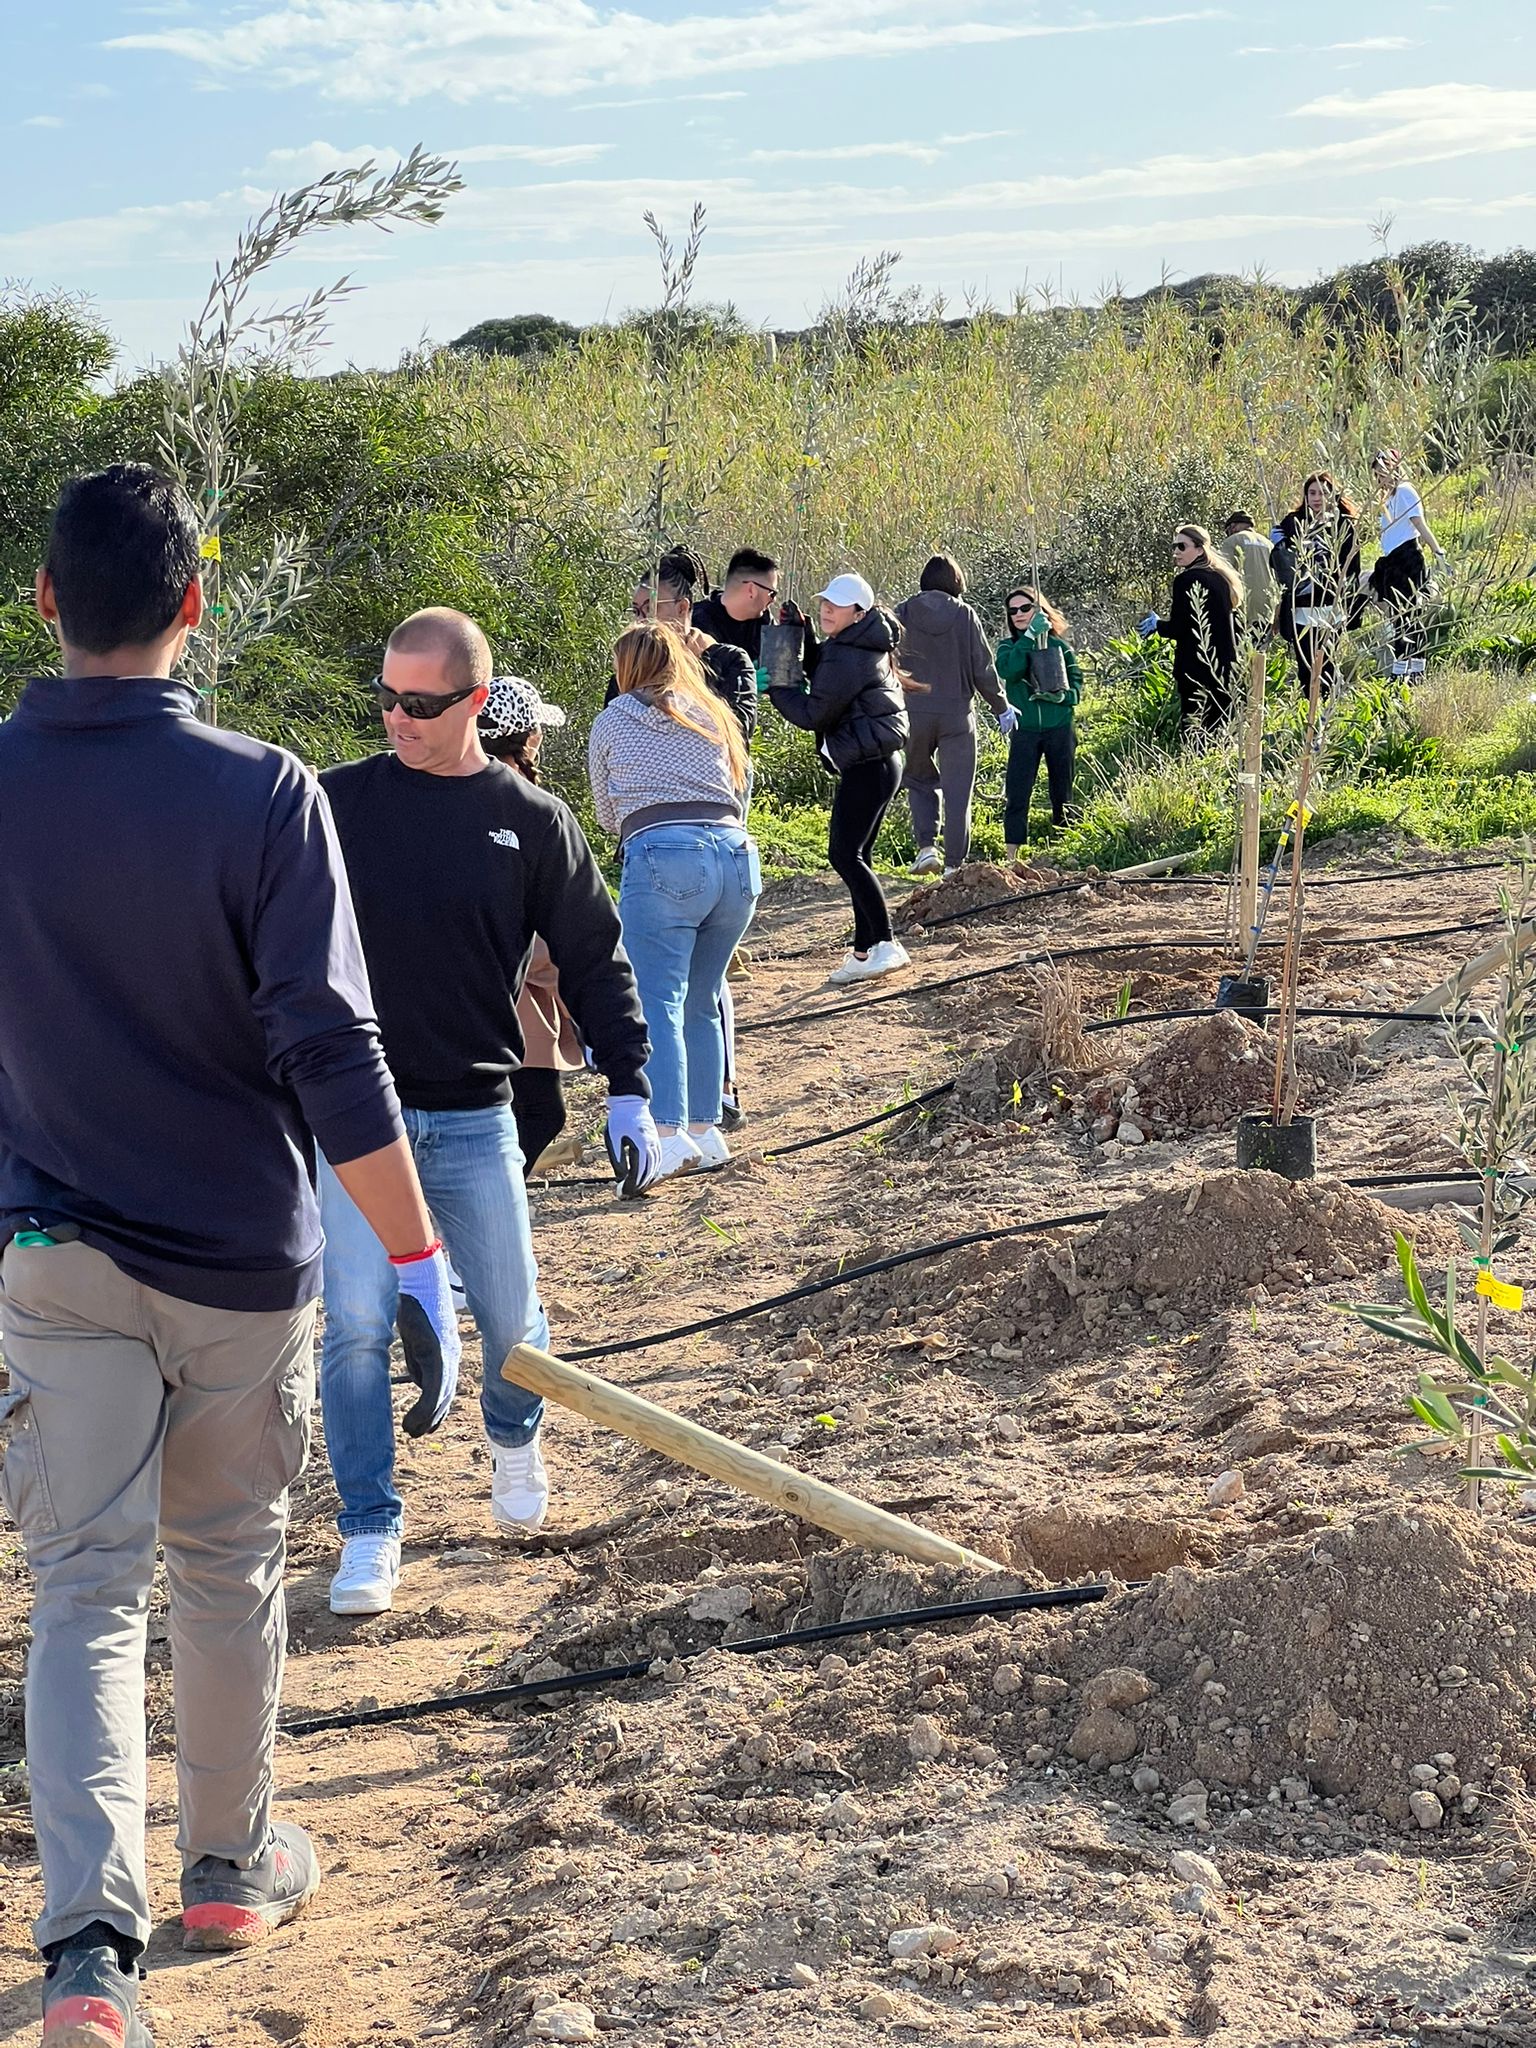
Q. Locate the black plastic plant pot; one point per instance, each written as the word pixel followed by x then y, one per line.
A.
pixel 1248 994
pixel 1287 1149
pixel 779 654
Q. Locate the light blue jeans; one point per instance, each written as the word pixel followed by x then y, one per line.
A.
pixel 687 895
pixel 471 1169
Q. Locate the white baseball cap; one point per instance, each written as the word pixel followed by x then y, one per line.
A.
pixel 848 590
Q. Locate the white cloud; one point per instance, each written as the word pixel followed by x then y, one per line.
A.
pixel 43 121
pixel 1380 45
pixel 552 155
pixel 368 51
pixel 655 99
pixel 847 152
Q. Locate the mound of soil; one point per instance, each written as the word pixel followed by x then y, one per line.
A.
pixel 1392 1657
pixel 1207 1074
pixel 1179 1256
pixel 968 888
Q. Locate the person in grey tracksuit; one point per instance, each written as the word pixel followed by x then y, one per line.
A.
pixel 945 651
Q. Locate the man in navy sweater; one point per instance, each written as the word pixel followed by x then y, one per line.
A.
pixel 456 861
pixel 184 1011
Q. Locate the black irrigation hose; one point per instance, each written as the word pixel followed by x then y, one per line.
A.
pixel 850 1274
pixel 1111 948
pixel 478 1702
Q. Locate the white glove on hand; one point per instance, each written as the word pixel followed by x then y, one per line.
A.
pixel 1007 720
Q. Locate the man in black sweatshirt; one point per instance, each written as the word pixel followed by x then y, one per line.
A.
pixel 456 862
pixel 183 1005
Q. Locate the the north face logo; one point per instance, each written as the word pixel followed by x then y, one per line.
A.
pixel 505 837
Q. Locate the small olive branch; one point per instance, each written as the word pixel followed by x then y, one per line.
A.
pixel 668 336
pixel 1481 1394
pixel 228 340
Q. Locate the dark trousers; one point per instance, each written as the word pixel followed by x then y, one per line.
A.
pixel 1056 746
pixel 863 797
pixel 1399 580
pixel 538 1105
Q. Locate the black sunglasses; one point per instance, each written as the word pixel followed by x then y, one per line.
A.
pixel 417 703
pixel 1017 611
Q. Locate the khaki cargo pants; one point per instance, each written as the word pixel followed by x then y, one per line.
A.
pixel 134 1414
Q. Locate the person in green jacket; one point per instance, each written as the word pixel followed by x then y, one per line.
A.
pixel 1043 682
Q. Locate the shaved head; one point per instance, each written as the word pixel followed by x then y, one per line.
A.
pixel 453 638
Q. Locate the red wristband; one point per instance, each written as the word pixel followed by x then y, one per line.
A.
pixel 415 1258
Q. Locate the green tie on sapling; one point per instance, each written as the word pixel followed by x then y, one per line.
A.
pixel 1476 1396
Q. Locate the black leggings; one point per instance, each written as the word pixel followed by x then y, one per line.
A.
pixel 1398 580
pixel 864 794
pixel 538 1104
pixel 1056 745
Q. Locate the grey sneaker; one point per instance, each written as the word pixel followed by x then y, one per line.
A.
pixel 91 2001
pixel 223 1906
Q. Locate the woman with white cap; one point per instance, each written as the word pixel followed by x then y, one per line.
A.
pixel 512 729
pixel 855 707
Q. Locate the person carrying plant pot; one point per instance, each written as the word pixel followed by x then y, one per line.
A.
pixel 1317 558
pixel 854 703
pixel 1400 575
pixel 1205 607
pixel 944 648
pixel 1041 676
pixel 737 612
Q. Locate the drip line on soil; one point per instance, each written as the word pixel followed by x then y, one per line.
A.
pixel 1133 945
pixel 486 1697
pixel 912 1256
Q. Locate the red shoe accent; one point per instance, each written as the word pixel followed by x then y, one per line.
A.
pixel 222 1926
pixel 85 2023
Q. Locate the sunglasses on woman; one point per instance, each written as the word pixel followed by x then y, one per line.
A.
pixel 1020 611
pixel 417 703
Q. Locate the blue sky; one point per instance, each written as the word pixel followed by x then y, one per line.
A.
pixel 997 143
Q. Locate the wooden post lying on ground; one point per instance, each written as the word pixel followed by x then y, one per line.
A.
pixel 812 1500
pixel 1250 791
pixel 1440 999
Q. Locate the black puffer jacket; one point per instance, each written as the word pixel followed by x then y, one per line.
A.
pixel 854 703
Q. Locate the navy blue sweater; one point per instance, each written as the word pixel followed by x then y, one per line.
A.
pixel 183 999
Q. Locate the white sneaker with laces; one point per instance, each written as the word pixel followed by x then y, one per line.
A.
pixel 713 1150
pixel 679 1154
pixel 519 1487
pixel 369 1572
pixel 885 958
pixel 927 862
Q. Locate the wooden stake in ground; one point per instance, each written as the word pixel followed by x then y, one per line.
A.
pixel 1249 794
pixel 1287 1077
pixel 748 1471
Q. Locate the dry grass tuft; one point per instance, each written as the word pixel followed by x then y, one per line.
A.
pixel 1058 1020
pixel 1513 1839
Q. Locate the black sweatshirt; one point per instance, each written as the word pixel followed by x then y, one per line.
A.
pixel 182 994
pixel 452 876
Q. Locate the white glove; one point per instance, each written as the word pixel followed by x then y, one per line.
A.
pixel 1007 720
pixel 1148 626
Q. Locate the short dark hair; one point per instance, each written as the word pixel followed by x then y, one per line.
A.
pixel 942 572
pixel 749 562
pixel 121 552
pixel 1240 522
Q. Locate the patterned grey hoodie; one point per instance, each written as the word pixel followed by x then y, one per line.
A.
pixel 639 759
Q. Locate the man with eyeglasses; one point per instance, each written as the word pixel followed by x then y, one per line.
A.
pixel 456 862
pixel 735 612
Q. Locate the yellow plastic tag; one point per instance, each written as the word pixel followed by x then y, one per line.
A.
pixel 210 549
pixel 1301 811
pixel 1502 1293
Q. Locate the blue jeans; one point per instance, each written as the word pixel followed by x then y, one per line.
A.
pixel 471 1169
pixel 687 895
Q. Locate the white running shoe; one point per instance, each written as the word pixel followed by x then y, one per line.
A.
pixel 368 1574
pixel 927 862
pixel 679 1154
pixel 519 1487
pixel 884 958
pixel 713 1150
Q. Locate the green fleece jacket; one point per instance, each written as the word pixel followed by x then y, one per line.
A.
pixel 1037 714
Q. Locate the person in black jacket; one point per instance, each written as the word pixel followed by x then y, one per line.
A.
pixel 1317 558
pixel 855 707
pixel 737 612
pixel 1204 608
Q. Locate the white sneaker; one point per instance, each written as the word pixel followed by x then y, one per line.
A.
pixel 368 1575
pixel 884 958
pixel 927 862
pixel 950 871
pixel 519 1487
pixel 713 1150
pixel 679 1154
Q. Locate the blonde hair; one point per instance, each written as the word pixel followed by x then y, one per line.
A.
pixel 1219 563
pixel 454 637
pixel 651 658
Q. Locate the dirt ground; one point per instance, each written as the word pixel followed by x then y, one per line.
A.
pixel 1264 1793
